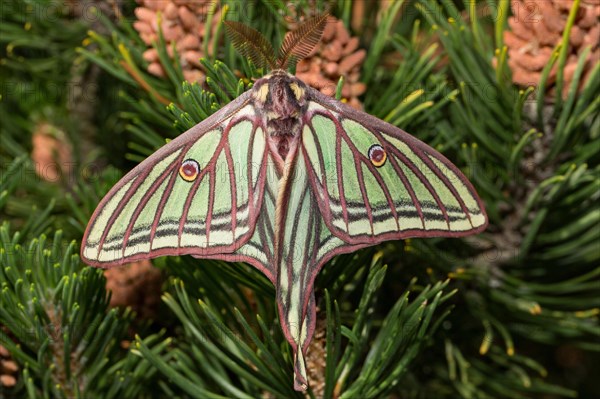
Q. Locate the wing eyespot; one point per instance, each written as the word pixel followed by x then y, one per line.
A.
pixel 377 155
pixel 189 170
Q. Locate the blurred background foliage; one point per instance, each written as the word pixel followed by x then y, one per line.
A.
pixel 507 91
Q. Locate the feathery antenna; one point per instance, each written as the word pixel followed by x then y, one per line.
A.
pixel 300 42
pixel 250 43
pixel 296 45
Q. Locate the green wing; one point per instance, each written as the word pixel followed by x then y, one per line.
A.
pixel 374 182
pixel 200 194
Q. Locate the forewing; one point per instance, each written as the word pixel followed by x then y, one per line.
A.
pixel 374 182
pixel 199 194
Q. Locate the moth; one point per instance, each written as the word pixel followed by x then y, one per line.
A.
pixel 283 178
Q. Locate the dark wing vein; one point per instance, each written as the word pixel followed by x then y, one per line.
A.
pixel 146 198
pixel 423 180
pixel 233 191
pixel 448 185
pixel 408 186
pixel 340 171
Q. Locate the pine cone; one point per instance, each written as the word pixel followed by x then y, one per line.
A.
pixel 8 369
pixel 183 23
pixel 137 285
pixel 537 27
pixel 51 153
pixel 336 55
